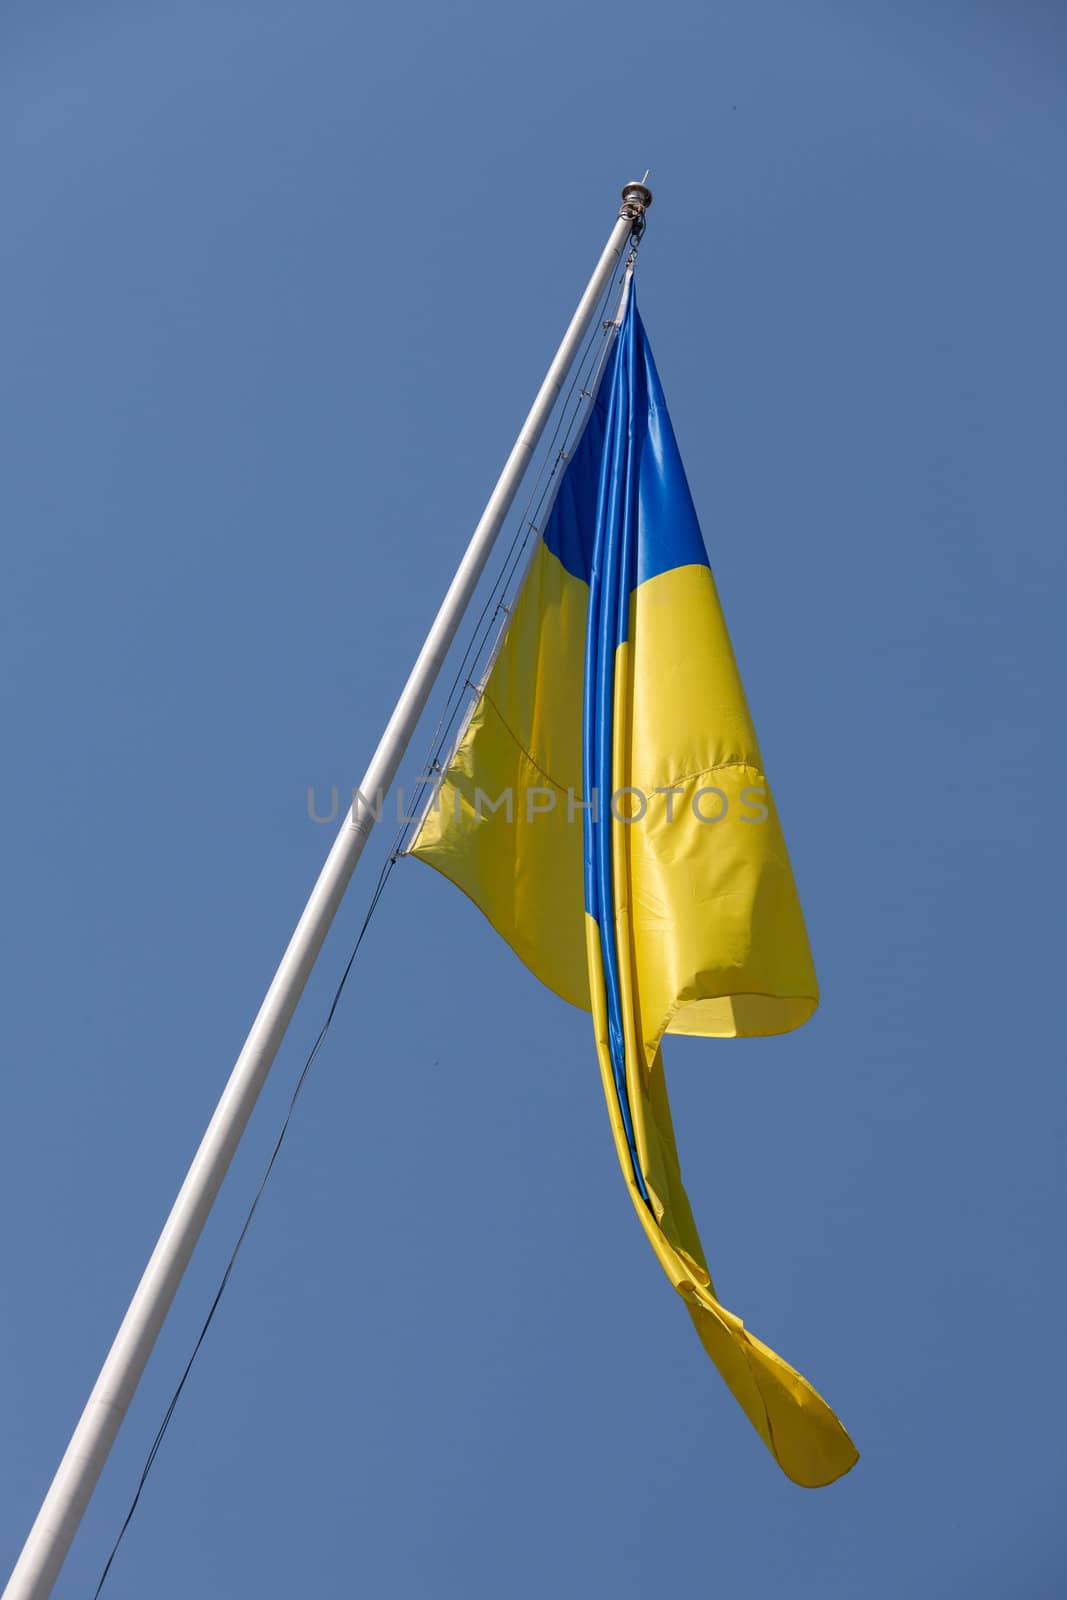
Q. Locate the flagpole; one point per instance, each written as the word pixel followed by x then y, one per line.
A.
pixel 60 1515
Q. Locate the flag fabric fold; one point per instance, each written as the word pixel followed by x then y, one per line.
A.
pixel 607 809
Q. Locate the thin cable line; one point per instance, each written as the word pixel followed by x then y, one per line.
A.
pixel 553 459
pixel 383 879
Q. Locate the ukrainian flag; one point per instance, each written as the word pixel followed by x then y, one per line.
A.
pixel 607 809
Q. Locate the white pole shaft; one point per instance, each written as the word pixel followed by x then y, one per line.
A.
pixel 58 1519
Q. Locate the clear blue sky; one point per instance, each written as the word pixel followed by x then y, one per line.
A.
pixel 278 285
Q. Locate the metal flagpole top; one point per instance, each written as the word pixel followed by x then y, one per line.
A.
pixel 636 199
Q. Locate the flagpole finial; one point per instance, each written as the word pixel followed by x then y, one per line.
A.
pixel 636 199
